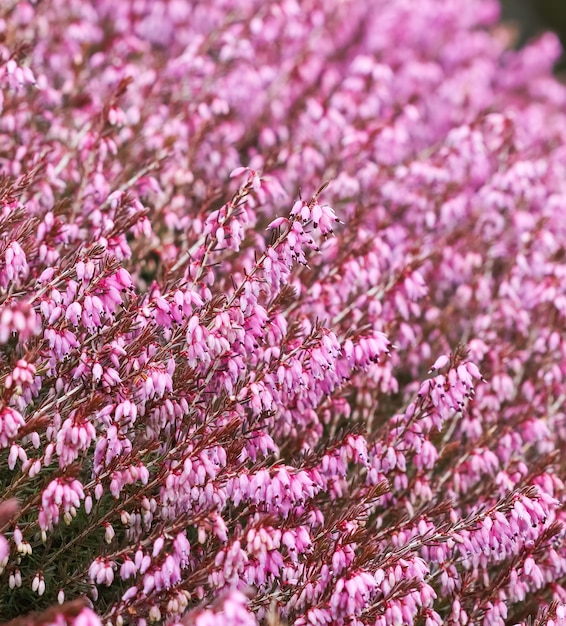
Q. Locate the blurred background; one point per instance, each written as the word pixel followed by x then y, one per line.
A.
pixel 532 17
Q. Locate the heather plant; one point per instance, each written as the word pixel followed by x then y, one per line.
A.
pixel 282 299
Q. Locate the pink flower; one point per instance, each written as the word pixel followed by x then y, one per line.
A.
pixel 17 318
pixel 59 495
pixel 10 423
pixel 101 571
pixel 87 618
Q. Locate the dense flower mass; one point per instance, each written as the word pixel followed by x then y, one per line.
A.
pixel 282 299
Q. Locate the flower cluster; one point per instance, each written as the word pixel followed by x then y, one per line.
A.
pixel 282 298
